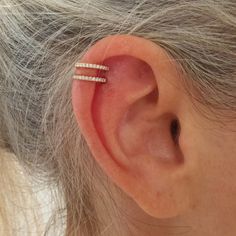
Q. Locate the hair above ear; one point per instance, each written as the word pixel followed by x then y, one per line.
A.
pixel 131 122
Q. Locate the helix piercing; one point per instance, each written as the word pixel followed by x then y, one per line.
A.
pixel 91 66
pixel 91 78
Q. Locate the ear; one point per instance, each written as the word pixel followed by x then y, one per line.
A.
pixel 132 122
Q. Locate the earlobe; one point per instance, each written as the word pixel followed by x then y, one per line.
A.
pixel 127 122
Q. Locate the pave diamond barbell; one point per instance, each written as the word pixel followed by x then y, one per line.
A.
pixel 91 78
pixel 91 66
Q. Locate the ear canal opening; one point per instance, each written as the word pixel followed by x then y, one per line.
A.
pixel 175 130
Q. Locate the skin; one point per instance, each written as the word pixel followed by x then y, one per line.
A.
pixel 186 182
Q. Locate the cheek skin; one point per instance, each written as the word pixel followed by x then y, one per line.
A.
pixel 215 151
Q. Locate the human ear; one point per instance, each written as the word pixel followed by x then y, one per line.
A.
pixel 131 123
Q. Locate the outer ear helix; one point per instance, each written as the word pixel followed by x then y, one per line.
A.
pixel 90 78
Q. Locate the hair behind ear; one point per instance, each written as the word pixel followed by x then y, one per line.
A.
pixel 20 211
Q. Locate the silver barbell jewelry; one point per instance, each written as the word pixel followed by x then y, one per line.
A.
pixel 91 78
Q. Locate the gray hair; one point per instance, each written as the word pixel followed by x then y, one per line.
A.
pixel 40 41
